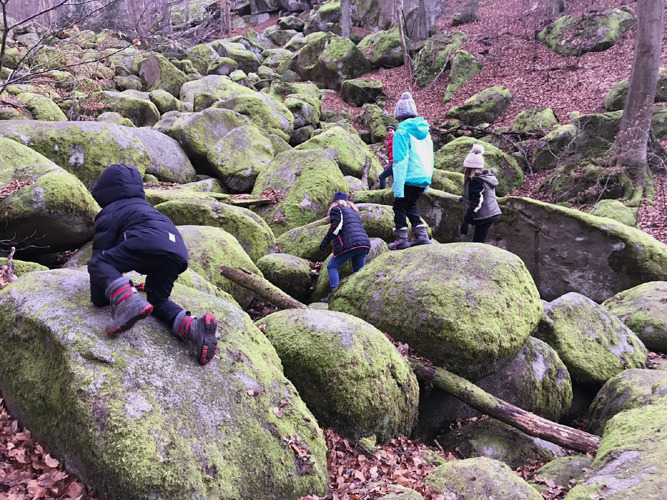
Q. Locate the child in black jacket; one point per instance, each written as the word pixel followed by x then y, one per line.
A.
pixel 350 241
pixel 132 235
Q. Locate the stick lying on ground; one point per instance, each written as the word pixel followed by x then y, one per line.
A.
pixel 460 388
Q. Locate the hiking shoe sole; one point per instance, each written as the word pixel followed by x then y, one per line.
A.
pixel 145 312
pixel 210 345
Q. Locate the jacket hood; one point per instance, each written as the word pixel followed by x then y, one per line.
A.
pixel 118 182
pixel 417 127
pixel 489 176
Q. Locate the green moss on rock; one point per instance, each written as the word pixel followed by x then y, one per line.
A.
pixel 383 48
pixel 434 55
pixel 463 67
pixel 290 273
pixel 351 376
pixel 616 210
pixel 535 120
pixel 265 112
pixel 562 471
pixel 41 108
pixel 485 107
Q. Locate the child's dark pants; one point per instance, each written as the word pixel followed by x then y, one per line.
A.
pixel 407 207
pixel 161 271
pixel 386 173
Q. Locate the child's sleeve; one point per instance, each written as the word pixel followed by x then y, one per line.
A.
pixel 475 198
pixel 401 145
pixel 336 218
pixel 106 232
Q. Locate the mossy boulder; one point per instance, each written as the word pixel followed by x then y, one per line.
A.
pixel 616 210
pixel 627 390
pixel 41 108
pixel 659 121
pixel 630 460
pixel 563 471
pixel 168 161
pixel 348 150
pixel 208 248
pixel 615 98
pixel 553 148
pixel 290 273
pixel 279 36
pixel 350 375
pixel 50 209
pixel 566 250
pixel 536 380
pixel 158 73
pixel 323 17
pixel 220 87
pixel 485 107
pixel 306 181
pixel 247 227
pixel 323 285
pixel 480 479
pixel 133 105
pixel 239 157
pixel 383 49
pixel 248 62
pixel 291 22
pixel 591 32
pixel 306 110
pixel 223 66
pixel 359 91
pixel 22 267
pixel 535 120
pixel 167 428
pixel 331 60
pixel 435 53
pixel 642 309
pixel 265 112
pixel 115 118
pixel 451 155
pixel 376 121
pixel 445 180
pixel 592 342
pixel 463 66
pixel 596 133
pixel 496 440
pixel 129 83
pixel 201 56
pixel 477 303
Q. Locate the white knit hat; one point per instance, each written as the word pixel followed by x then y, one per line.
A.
pixel 405 107
pixel 475 158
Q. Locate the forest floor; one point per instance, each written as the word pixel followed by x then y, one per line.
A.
pixel 504 40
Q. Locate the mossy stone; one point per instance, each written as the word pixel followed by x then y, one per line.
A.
pixel 594 32
pixel 627 390
pixel 351 376
pixel 279 36
pixel 221 87
pixel 208 248
pixel 451 155
pixel 376 120
pixel 535 120
pixel 290 273
pixel 359 91
pixel 445 180
pixel 479 479
pixel 642 309
pixel 615 98
pixel 306 181
pixel 133 105
pixel 306 110
pixel 477 303
pixel 165 102
pixel 592 342
pixel 22 267
pixel 115 118
pixel 159 74
pixel 563 471
pixel 263 111
pixel 616 210
pixel 41 108
pixel 554 148
pixel 201 56
pixel 250 230
pixel 248 62
pixel 434 54
pixel 291 22
pixel 168 161
pixel 485 107
pixel 596 133
pixel 129 83
pixel 223 66
pixel 463 67
pixel 496 440
pixel 168 428
pixel 383 48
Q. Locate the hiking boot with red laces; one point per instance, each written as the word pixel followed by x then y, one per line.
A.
pixel 199 331
pixel 127 306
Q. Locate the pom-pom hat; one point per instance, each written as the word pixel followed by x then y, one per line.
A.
pixel 340 196
pixel 475 158
pixel 405 107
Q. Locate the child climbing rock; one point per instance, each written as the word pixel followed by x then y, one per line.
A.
pixel 131 235
pixel 413 170
pixel 388 142
pixel 350 241
pixel 480 207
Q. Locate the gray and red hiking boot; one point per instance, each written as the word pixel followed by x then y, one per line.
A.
pixel 401 242
pixel 199 331
pixel 127 306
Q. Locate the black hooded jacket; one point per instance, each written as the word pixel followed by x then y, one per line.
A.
pixel 346 231
pixel 127 216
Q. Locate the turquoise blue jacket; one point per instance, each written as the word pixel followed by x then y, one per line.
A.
pixel 413 155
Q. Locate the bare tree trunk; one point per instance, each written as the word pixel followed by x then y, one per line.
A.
pixel 225 17
pixel 187 12
pixel 630 147
pixel 261 287
pixel 531 424
pixel 346 17
pixel 400 20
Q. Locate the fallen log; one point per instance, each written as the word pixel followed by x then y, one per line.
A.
pixel 261 287
pixel 531 424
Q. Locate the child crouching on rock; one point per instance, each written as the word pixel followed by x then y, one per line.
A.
pixel 350 241
pixel 132 235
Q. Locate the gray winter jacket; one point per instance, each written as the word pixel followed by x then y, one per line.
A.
pixel 479 197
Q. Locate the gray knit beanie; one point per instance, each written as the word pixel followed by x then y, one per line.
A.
pixel 475 158
pixel 405 107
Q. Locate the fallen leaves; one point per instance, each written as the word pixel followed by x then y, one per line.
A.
pixel 14 186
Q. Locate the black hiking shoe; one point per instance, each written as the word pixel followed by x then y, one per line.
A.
pixel 127 306
pixel 199 331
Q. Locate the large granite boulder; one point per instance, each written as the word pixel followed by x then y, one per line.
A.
pixel 133 105
pixel 553 148
pixel 168 161
pixel 158 73
pixel 536 380
pixel 219 87
pixel 451 156
pixel 41 107
pixel 563 471
pixel 627 390
pixel 463 66
pixel 383 48
pixel 592 342
pixel 538 120
pixel 290 273
pixel 591 32
pixel 485 107
pixel 306 182
pixel 350 375
pixel 359 91
pixel 434 55
pixel 263 111
pixel 468 307
pixel 643 310
pixel 567 250
pixel 615 209
pixel 45 208
pixel 84 149
pixel 136 417
pixel 615 98
pixel 478 479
